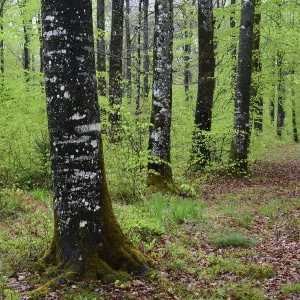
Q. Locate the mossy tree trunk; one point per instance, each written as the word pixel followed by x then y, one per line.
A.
pixel 88 241
pixel 206 62
pixel 240 145
pixel 101 57
pixel 159 169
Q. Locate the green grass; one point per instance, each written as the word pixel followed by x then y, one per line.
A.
pixel 225 240
pixel 291 288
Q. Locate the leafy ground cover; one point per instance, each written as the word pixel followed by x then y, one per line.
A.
pixel 235 239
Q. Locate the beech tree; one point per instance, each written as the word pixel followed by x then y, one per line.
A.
pixel 1 49
pixel 146 59
pixel 88 241
pixel 240 145
pixel 206 62
pixel 159 169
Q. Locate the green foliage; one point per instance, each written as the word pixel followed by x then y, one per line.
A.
pixel 225 240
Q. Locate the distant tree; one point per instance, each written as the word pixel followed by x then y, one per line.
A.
pixel 146 59
pixel 256 97
pixel 159 169
pixel 281 94
pixel 101 57
pixel 294 119
pixel 1 49
pixel 206 70
pixel 240 145
pixel 115 61
pixel 138 63
pixel 26 55
pixel 128 52
pixel 88 242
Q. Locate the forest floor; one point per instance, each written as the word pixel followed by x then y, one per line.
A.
pixel 237 239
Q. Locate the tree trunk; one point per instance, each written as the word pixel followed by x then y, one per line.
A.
pixel 256 97
pixel 295 130
pixel 280 90
pixel 205 95
pixel 138 67
pixel 128 53
pixel 88 241
pixel 26 51
pixel 233 48
pixel 101 57
pixel 41 42
pixel 1 55
pixel 146 60
pixel 240 145
pixel 159 169
pixel 187 71
pixel 115 62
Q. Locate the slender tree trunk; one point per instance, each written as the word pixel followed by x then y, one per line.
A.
pixel 115 62
pixel 101 57
pixel 138 67
pixel 281 96
pixel 159 169
pixel 41 42
pixel 88 241
pixel 233 47
pixel 240 145
pixel 26 50
pixel 146 59
pixel 295 130
pixel 1 55
pixel 205 95
pixel 187 65
pixel 128 53
pixel 257 100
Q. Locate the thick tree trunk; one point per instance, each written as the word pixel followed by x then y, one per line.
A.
pixel 87 238
pixel 240 145
pixel 101 57
pixel 128 53
pixel 115 62
pixel 146 59
pixel 281 96
pixel 256 97
pixel 205 83
pixel 159 169
pixel 26 51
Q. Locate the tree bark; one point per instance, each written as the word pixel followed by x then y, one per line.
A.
pixel 159 169
pixel 101 57
pixel 256 97
pixel 128 53
pixel 41 42
pixel 115 62
pixel 240 145
pixel 146 59
pixel 281 96
pixel 88 241
pixel 206 61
